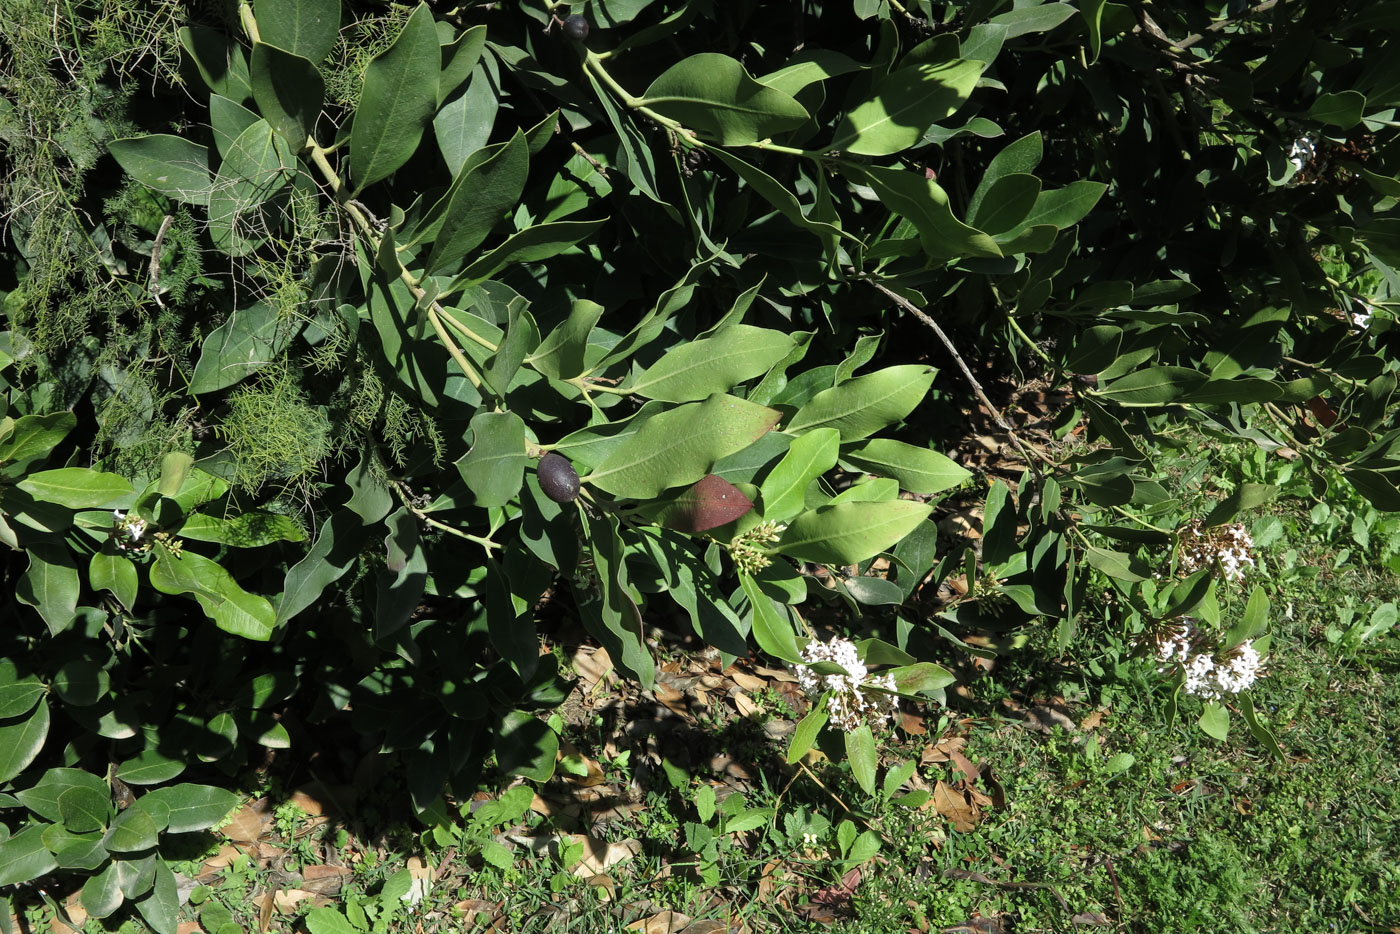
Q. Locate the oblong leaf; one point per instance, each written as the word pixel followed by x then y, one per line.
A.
pixel 75 487
pixel 171 165
pixel 713 95
pixel 902 106
pixel 678 447
pixel 810 456
pixel 864 405
pixel 21 742
pixel 397 101
pixel 232 608
pixel 494 468
pixel 693 370
pixel 860 752
pixel 917 469
pixel 308 28
pixel 848 533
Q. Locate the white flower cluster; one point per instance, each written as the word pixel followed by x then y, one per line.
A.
pixel 1205 677
pixel 1307 160
pixel 128 530
pixel 850 704
pixel 1231 547
pixel 1362 318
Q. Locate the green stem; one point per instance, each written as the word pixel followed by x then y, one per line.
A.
pixel 1140 520
pixel 436 313
pixel 422 516
pixel 1026 338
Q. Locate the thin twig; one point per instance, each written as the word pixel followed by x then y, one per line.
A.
pixel 1216 27
pixel 156 248
pixel 976 386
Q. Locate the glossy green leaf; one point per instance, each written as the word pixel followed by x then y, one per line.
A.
pixel 1260 730
pixel 693 370
pixel 1153 386
pixel 463 125
pixel 18 694
pixel 917 469
pixel 397 101
pixel 678 447
pixel 81 682
pixel 24 857
pixel 926 205
pixel 75 487
pixel 903 104
pixel 248 340
pixel 525 746
pixel 75 851
pixel 194 807
pixel 459 60
pixel 83 808
pixel 1006 205
pixel 847 533
pixel 1063 207
pixel 810 456
pixel 478 200
pixel 171 165
pixel 866 404
pixel 115 573
pixel 786 203
pixel 219 61
pixel 102 894
pixel 42 798
pixel 809 67
pixel 308 28
pixel 873 591
pixel 232 608
pixel 1342 109
pixel 32 438
pixel 713 95
pixel 161 908
pixel 289 91
pixel 860 752
pixel 250 529
pixel 1033 19
pixel 606 608
pixel 807 730
pixel 50 585
pixel 150 767
pixel 20 743
pixel 1215 720
pixel 921 678
pixel 494 468
pixel 771 628
pixel 133 830
pixel 561 354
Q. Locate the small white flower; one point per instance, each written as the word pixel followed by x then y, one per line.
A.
pixel 850 704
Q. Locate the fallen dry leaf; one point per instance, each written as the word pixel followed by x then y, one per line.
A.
pixel 593 665
pixel 955 807
pixel 285 900
pixel 911 723
pixel 247 823
pixel 594 776
pixel 942 750
pixel 599 856
pixel 188 927
pixel 1093 720
pixel 706 927
pixel 1047 718
pixel 664 922
pixel 777 675
pixel 1091 917
pixel 744 704
pixel 324 880
pixel 963 764
pixel 745 680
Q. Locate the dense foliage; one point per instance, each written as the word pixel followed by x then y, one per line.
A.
pixel 340 334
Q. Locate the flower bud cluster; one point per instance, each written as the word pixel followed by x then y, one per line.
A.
pixel 1231 547
pixel 1206 677
pixel 747 552
pixel 851 703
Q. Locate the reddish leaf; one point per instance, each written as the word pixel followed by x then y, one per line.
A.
pixel 713 501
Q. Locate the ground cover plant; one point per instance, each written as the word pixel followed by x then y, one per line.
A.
pixel 367 366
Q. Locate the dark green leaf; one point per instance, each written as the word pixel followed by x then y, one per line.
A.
pixel 860 751
pixel 171 165
pixel 713 95
pixel 494 468
pixel 903 104
pixel 398 100
pixel 289 92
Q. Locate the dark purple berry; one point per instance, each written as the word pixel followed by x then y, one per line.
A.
pixel 576 27
pixel 558 478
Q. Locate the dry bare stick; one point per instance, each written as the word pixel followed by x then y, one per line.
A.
pixel 976 386
pixel 156 247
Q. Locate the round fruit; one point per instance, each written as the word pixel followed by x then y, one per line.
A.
pixel 558 478
pixel 576 27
